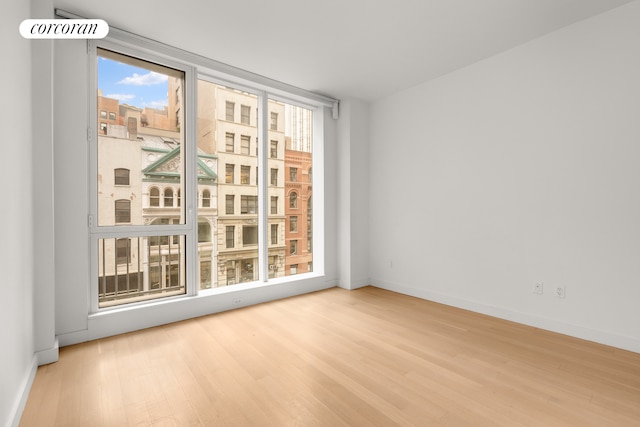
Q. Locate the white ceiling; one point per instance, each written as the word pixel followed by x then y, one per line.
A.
pixel 365 49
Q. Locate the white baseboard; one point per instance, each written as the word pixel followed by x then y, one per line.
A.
pixel 71 338
pixel 25 389
pixel 601 337
pixel 354 284
pixel 49 355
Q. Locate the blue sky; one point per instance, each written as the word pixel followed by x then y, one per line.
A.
pixel 132 85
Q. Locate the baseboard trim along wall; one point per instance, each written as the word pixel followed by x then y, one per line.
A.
pixel 601 337
pixel 25 389
pixel 49 355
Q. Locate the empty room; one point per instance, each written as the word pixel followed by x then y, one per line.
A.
pixel 343 213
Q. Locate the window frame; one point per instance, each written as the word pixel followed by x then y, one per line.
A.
pixel 194 68
pixel 188 228
pixel 116 177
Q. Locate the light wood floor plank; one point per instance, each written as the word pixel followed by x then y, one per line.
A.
pixel 339 358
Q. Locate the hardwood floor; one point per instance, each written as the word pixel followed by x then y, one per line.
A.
pixel 339 358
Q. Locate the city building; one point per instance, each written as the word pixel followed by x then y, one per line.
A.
pixel 299 208
pixel 235 135
pixel 140 182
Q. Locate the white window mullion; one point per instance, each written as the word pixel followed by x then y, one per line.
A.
pixel 190 186
pixel 263 187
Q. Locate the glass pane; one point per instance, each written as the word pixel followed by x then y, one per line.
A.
pixel 227 144
pixel 140 142
pixel 290 154
pixel 139 269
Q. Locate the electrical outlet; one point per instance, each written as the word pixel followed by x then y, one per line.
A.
pixel 237 301
pixel 560 291
pixel 538 288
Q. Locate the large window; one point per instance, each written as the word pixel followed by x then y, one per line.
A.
pixel 147 148
pixel 163 220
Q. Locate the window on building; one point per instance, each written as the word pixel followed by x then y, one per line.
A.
pixel 293 224
pixel 247 271
pixel 293 174
pixel 245 144
pixel 248 204
pixel 121 176
pixel 273 124
pixel 168 197
pixel 206 199
pixel 274 234
pixel 103 128
pixel 204 231
pixel 273 266
pixel 245 114
pixel 123 211
pixel 274 205
pixel 274 149
pixel 229 204
pixel 103 114
pixel 112 115
pixel 229 107
pixel 274 177
pixel 293 200
pixel 154 197
pixel 293 269
pixel 229 142
pixel 205 274
pixel 230 240
pixel 228 173
pixel 230 267
pixel 244 174
pixel 293 247
pixel 249 235
pixel 178 198
pixel 123 252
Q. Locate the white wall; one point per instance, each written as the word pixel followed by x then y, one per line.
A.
pixel 46 346
pixel 353 196
pixel 17 361
pixel 522 168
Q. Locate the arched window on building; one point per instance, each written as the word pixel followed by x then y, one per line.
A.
pixel 154 197
pixel 204 231
pixel 206 199
pixel 168 197
pixel 293 200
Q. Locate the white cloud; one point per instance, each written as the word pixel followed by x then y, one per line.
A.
pixel 155 104
pixel 151 78
pixel 120 96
